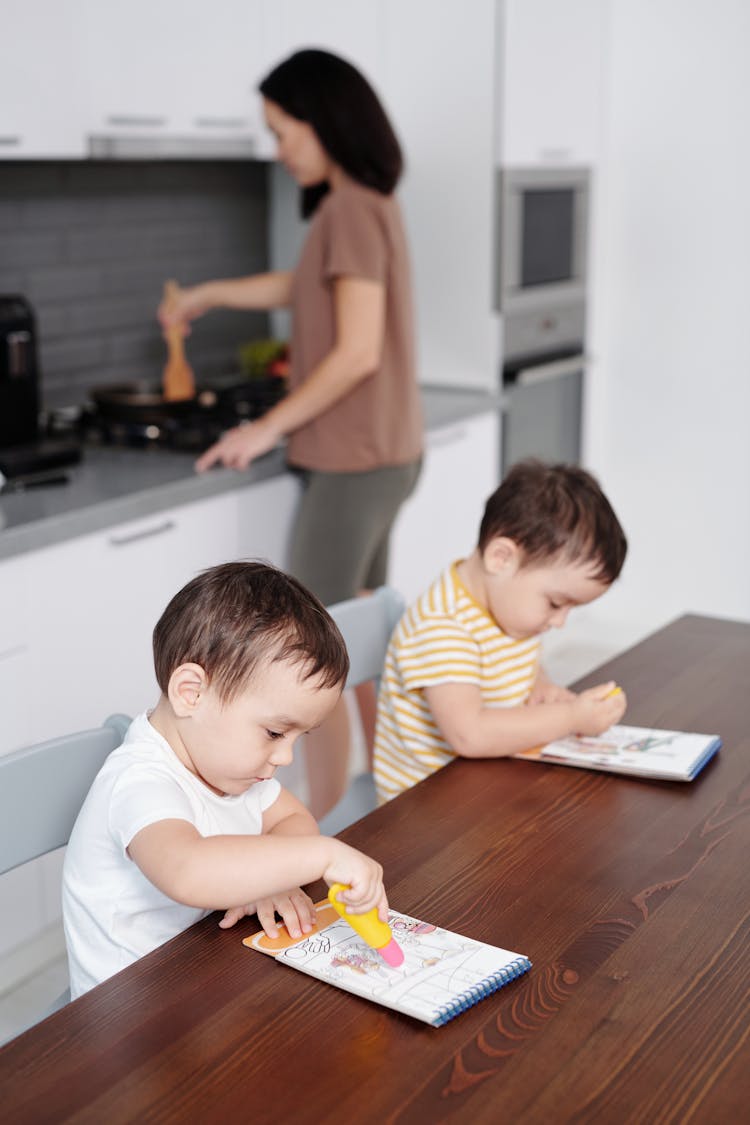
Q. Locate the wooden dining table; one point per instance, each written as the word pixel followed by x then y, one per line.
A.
pixel 630 897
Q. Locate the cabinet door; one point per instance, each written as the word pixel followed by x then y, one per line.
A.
pixel 440 522
pixel 354 31
pixel 551 87
pixel 16 702
pixel 440 88
pixel 96 602
pixel 41 97
pixel 265 515
pixel 173 69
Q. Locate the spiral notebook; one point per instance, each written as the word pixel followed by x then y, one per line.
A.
pixel 442 974
pixel 664 755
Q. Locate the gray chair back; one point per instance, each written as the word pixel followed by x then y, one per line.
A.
pixel 42 789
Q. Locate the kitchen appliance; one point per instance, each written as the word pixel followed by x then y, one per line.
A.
pixel 24 453
pixel 136 414
pixel 541 263
pixel 541 282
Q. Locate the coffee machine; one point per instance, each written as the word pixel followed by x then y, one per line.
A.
pixel 23 452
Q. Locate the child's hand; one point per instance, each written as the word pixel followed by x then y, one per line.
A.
pixel 364 877
pixel 544 691
pixel 597 709
pixel 295 907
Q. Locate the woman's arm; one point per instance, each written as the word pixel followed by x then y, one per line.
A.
pixel 359 307
pixel 475 731
pixel 261 291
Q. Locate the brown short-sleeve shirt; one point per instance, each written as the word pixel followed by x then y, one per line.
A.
pixel 356 232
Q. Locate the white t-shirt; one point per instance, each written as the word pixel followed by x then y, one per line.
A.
pixel 111 912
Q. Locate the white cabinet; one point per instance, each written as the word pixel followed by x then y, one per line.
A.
pixel 96 601
pixel 439 85
pixel 440 521
pixel 16 700
pixel 354 31
pixel 41 96
pixel 551 82
pixel 166 70
pixel 265 513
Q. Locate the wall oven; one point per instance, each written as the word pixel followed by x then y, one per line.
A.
pixel 541 282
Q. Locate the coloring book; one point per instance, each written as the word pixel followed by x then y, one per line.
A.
pixel 442 974
pixel 669 755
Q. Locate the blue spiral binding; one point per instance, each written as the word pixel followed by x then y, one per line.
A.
pixel 479 991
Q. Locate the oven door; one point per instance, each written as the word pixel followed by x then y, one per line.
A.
pixel 542 411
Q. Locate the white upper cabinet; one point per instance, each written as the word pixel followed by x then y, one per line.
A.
pixel 440 87
pixel 352 30
pixel 41 97
pixel 164 70
pixel 551 77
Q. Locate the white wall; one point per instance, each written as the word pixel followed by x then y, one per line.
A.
pixel 668 414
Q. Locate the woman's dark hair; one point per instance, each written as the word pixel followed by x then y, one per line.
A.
pixel 339 103
pixel 556 511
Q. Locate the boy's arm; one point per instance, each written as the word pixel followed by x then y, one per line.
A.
pixel 546 690
pixel 216 872
pixel 287 816
pixel 476 731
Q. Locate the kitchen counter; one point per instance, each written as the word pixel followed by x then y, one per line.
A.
pixel 113 485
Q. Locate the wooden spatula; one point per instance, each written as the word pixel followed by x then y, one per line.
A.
pixel 178 381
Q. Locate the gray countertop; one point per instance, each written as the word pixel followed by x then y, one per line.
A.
pixel 112 485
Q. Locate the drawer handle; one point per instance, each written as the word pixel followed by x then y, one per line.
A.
pixel 9 653
pixel 9 142
pixel 446 437
pixel 147 533
pixel 136 121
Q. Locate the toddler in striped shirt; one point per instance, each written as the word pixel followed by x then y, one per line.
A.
pixel 462 675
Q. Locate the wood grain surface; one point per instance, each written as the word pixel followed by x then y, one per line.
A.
pixel 631 897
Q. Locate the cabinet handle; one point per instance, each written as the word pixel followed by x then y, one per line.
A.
pixel 9 142
pixel 445 437
pixel 136 121
pixel 221 122
pixel 9 653
pixel 147 533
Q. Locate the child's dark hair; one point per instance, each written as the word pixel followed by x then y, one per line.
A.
pixel 234 617
pixel 339 103
pixel 556 511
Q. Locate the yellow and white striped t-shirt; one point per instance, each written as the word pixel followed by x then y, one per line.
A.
pixel 444 637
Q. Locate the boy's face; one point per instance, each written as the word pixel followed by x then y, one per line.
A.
pixel 529 599
pixel 232 746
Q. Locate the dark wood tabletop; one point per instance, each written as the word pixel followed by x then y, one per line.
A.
pixel 631 898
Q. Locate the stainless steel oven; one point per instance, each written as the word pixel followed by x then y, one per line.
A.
pixel 541 281
pixel 543 405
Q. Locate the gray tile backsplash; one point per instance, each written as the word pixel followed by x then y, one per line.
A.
pixel 90 244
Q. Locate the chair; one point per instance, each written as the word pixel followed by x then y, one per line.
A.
pixel 42 788
pixel 366 625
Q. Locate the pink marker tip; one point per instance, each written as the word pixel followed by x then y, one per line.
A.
pixel 392 954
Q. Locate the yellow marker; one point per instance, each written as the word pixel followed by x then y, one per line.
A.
pixel 616 690
pixel 377 934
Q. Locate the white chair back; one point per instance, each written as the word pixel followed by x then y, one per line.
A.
pixel 42 789
pixel 366 625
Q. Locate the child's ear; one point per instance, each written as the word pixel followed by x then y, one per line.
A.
pixel 186 685
pixel 502 556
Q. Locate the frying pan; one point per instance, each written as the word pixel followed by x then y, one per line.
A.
pixel 144 403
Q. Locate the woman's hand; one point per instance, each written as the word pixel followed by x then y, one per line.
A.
pixel 363 877
pixel 182 306
pixel 295 907
pixel 239 446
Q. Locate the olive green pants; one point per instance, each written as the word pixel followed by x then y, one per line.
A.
pixel 341 535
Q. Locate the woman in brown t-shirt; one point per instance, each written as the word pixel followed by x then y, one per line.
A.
pixel 352 418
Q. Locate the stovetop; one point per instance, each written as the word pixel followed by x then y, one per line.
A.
pixel 190 427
